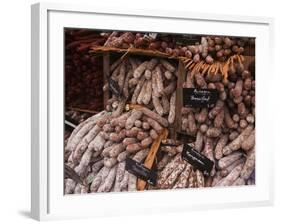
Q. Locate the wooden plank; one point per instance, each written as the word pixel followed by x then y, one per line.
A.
pixel 248 60
pixel 151 157
pixel 249 64
pixel 134 51
pixel 131 106
pixel 172 131
pixel 83 110
pixel 106 74
pixel 249 51
pixel 179 104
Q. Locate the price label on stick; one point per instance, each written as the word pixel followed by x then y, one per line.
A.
pixel 199 98
pixel 197 160
pixel 114 88
pixel 140 171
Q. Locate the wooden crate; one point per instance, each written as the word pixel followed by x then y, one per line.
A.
pixel 107 58
pixel 181 72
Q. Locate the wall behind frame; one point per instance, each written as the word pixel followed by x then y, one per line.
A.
pixel 15 110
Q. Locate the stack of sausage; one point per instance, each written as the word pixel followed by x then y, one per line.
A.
pixel 208 48
pixel 151 83
pixel 175 172
pixel 98 148
pixel 226 132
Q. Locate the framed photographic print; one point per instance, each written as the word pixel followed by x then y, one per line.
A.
pixel 148 111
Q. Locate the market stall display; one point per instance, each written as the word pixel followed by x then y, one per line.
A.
pixel 158 111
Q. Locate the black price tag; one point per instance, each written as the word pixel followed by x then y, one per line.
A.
pixel 69 123
pixel 185 138
pixel 114 87
pixel 198 98
pixel 152 35
pixel 184 40
pixel 197 160
pixel 141 171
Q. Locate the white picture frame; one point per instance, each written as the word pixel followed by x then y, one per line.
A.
pixel 48 201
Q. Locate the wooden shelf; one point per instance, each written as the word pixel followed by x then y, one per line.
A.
pixel 134 51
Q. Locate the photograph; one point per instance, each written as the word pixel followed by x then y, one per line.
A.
pixel 146 111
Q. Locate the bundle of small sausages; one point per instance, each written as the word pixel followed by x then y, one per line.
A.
pixel 214 48
pixel 175 172
pixel 99 146
pixel 225 133
pixel 207 48
pixel 151 83
pixel 234 169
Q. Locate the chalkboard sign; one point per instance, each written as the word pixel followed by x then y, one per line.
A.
pixel 185 138
pixel 197 160
pixel 199 98
pixel 140 171
pixel 114 88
